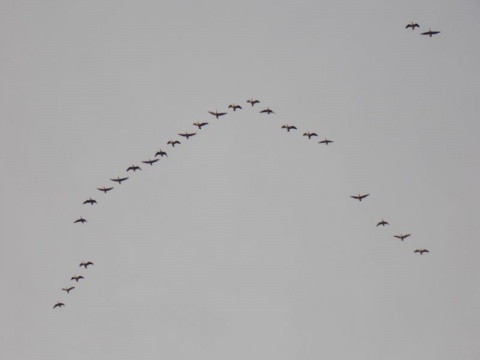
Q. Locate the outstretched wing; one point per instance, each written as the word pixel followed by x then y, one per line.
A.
pixel 364 196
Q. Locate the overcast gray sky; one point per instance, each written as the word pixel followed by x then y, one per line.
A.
pixel 244 242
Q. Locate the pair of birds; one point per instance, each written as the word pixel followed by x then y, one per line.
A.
pixel 430 33
pixel 85 264
pixel 307 134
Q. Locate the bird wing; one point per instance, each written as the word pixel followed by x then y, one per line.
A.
pixel 221 114
pixel 214 114
pixel 293 127
pixel 313 134
pixel 434 32
pixel 203 124
pixel 123 179
pixel 409 25
pixel 184 135
pixel 417 251
pixel 398 236
pixel 238 107
pixel 405 236
pixel 191 134
pixel 355 196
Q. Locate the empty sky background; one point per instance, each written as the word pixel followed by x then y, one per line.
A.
pixel 245 242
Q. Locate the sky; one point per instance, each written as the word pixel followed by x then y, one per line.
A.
pixel 244 242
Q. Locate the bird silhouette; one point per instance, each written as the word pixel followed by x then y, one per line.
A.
pixel 199 125
pixel 68 289
pixel 253 102
pixel 412 25
pixel 402 237
pixel 326 141
pixel 90 201
pixel 81 220
pixel 217 114
pixel 289 127
pixel 85 264
pixel 234 107
pixel 430 33
pixel 309 134
pixel 134 168
pixel 359 197
pixel 150 162
pixel 421 251
pixel 187 135
pixel 383 223
pixel 267 111
pixel 119 179
pixel 161 153
pixel 58 304
pixel 76 278
pixel 173 143
pixel 104 189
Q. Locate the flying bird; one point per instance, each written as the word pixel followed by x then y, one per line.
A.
pixel 359 197
pixel 81 220
pixel 309 134
pixel 187 135
pixel 104 189
pixel 253 102
pixel 199 125
pixel 268 111
pixel 150 162
pixel 421 251
pixel 412 25
pixel 402 237
pixel 289 127
pixel 85 264
pixel 326 141
pixel 430 33
pixel 90 201
pixel 119 180
pixel 173 143
pixel 134 168
pixel 234 107
pixel 383 223
pixel 76 278
pixel 161 153
pixel 217 114
pixel 58 304
pixel 68 289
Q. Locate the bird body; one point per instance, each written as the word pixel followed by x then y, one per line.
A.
pixel 383 223
pixel 104 189
pixel 421 251
pixel 412 25
pixel 76 278
pixel 81 220
pixel 187 135
pixel 309 134
pixel 430 33
pixel 150 162
pixel 68 289
pixel 85 264
pixel 267 111
pixel 217 114
pixel 234 107
pixel 199 125
pixel 289 127
pixel 326 141
pixel 119 179
pixel 90 201
pixel 359 197
pixel 134 168
pixel 401 236
pixel 58 304
pixel 253 102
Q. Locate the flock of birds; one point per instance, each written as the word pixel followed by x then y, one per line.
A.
pixel 188 135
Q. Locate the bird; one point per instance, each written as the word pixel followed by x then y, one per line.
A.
pixel 234 107
pixel 151 162
pixel 326 141
pixel 76 278
pixel 134 168
pixel 402 237
pixel 309 134
pixel 161 153
pixel 217 114
pixel 268 111
pixel 289 127
pixel 58 304
pixel 199 125
pixel 430 33
pixel 119 180
pixel 90 201
pixel 105 190
pixel 187 135
pixel 85 264
pixel 359 197
pixel 412 25
pixel 172 142
pixel 421 251
pixel 68 289
pixel 81 220
pixel 253 102
pixel 383 223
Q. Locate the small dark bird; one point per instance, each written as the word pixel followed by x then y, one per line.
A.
pixel 76 278
pixel 309 134
pixel 58 304
pixel 134 168
pixel 171 142
pixel 421 251
pixel 90 201
pixel 217 114
pixel 161 153
pixel 326 141
pixel 359 197
pixel 412 25
pixel 199 125
pixel 383 223
pixel 150 162
pixel 253 102
pixel 234 107
pixel 68 289
pixel 268 111
pixel 289 127
pixel 187 135
pixel 430 33
pixel 85 264
pixel 81 220
pixel 402 237
pixel 105 190
pixel 119 180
